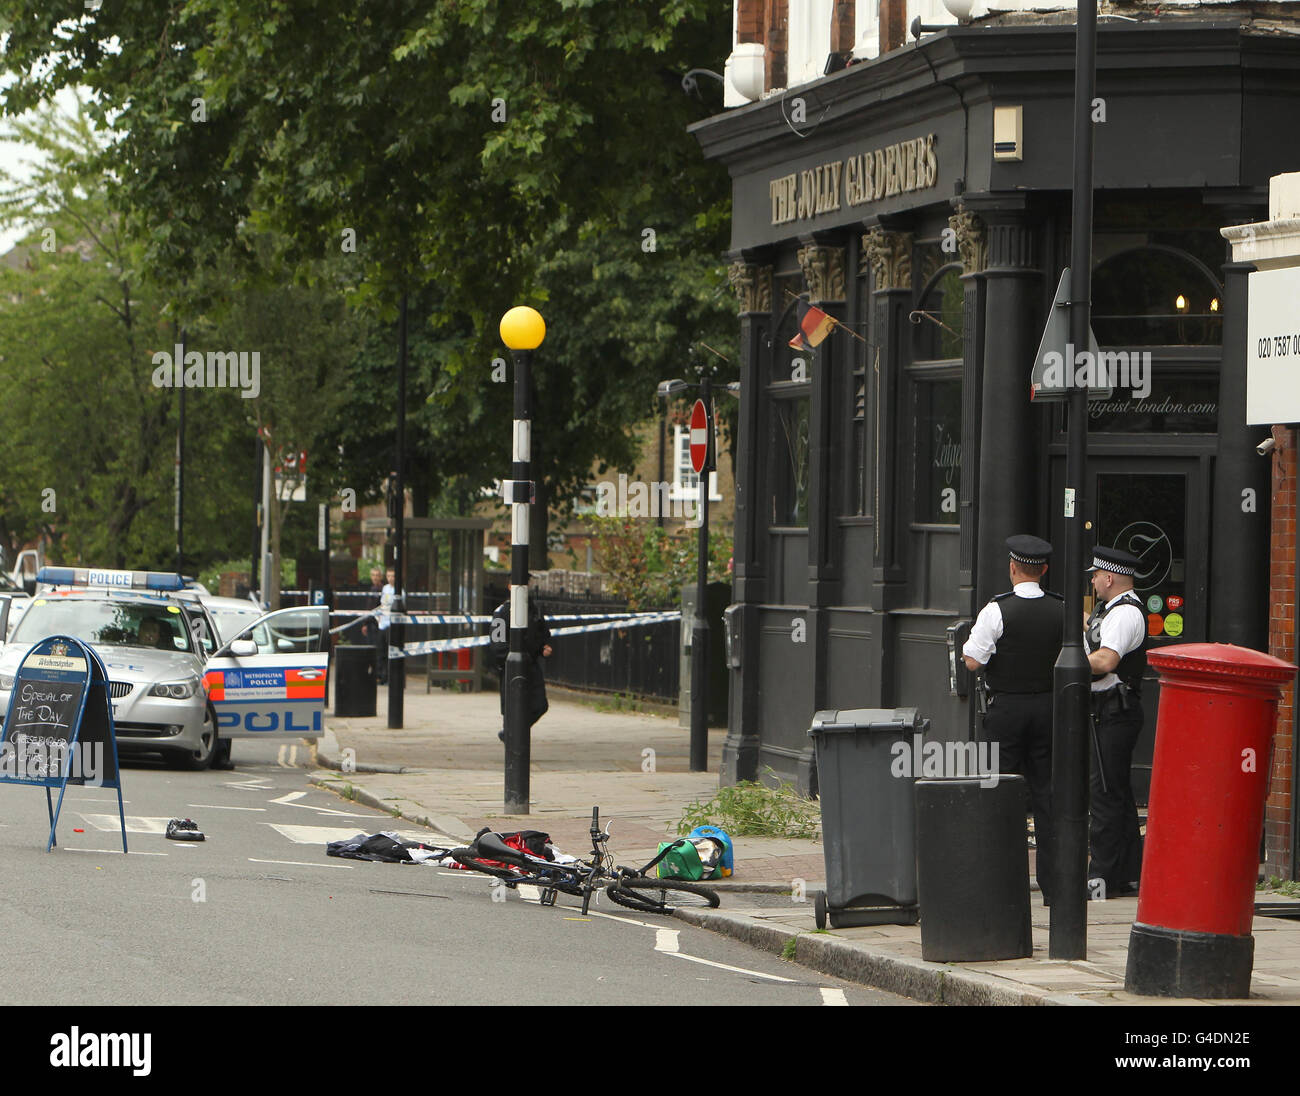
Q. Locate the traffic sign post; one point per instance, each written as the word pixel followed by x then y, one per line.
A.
pixel 59 727
pixel 703 460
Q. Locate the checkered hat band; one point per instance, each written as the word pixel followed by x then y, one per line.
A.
pixel 1027 559
pixel 1113 568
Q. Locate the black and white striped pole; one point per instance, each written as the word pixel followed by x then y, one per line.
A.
pixel 522 330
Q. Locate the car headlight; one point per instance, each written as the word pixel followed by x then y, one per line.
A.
pixel 176 690
pixel 7 682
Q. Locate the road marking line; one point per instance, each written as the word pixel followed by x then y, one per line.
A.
pixel 622 918
pixel 833 996
pixel 666 940
pixel 221 807
pixel 300 863
pixel 529 893
pixel 253 784
pixel 135 823
pixel 289 801
pixel 119 852
pixel 727 966
pixel 323 835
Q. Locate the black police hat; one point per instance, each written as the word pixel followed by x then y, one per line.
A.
pixel 1114 560
pixel 1027 549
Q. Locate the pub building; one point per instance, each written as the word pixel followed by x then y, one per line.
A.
pixel 919 194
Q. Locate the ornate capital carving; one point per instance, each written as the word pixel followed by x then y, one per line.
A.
pixel 890 256
pixel 972 240
pixel 823 271
pixel 753 286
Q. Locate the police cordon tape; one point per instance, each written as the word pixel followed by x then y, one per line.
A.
pixel 459 643
pixel 361 615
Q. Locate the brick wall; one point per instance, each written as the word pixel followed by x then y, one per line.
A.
pixel 775 19
pixel 844 26
pixel 1282 644
pixel 749 20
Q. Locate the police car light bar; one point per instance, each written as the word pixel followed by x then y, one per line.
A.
pixel 122 580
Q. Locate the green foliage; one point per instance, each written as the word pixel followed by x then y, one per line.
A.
pixel 1288 887
pixel 751 809
pixel 789 948
pixel 648 566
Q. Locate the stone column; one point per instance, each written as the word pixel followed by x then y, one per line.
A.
pixel 1008 454
pixel 972 245
pixel 753 285
pixel 823 271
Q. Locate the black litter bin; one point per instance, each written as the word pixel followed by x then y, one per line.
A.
pixel 354 680
pixel 972 857
pixel 868 816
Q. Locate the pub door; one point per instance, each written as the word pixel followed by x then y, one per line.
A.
pixel 1158 508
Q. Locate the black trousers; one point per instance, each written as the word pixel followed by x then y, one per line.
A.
pixel 1021 725
pixel 1113 829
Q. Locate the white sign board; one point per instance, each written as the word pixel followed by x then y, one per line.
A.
pixel 1273 347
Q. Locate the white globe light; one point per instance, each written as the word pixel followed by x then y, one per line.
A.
pixel 748 70
pixel 959 9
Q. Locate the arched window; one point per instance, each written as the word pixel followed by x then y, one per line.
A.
pixel 938 318
pixel 1156 295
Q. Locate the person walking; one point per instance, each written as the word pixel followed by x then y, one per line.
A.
pixel 1115 637
pixel 1016 640
pixel 387 595
pixel 537 646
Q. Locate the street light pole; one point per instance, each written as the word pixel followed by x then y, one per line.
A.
pixel 1068 933
pixel 522 330
pixel 397 666
pixel 700 626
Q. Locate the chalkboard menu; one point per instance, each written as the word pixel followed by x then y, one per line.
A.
pixel 58 729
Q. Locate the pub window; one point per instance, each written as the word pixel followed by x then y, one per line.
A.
pixel 938 450
pixel 790 420
pixel 1156 296
pixel 790 452
pixel 937 320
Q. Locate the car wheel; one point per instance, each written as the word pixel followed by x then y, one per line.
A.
pixel 200 759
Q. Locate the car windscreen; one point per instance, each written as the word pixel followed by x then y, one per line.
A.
pixel 230 622
pixel 105 623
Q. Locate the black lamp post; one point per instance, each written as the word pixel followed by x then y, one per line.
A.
pixel 522 330
pixel 1068 933
pixel 396 631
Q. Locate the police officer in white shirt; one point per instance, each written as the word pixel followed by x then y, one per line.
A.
pixel 1114 636
pixel 1016 640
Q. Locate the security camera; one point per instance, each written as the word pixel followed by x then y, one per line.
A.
pixel 1265 447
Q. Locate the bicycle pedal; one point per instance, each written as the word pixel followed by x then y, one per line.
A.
pixel 548 896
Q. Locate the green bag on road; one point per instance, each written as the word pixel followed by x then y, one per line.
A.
pixel 682 863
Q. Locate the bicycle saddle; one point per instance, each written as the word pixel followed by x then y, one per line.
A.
pixel 491 847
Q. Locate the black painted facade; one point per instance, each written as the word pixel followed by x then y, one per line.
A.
pixel 876 480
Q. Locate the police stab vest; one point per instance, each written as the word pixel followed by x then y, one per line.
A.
pixel 1134 664
pixel 1030 642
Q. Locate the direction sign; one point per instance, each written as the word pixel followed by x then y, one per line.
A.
pixel 699 437
pixel 1054 365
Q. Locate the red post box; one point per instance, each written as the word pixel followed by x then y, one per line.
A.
pixel 1209 780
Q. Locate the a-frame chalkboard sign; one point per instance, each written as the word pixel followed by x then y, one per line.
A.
pixel 59 727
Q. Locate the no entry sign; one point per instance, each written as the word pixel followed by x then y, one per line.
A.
pixel 699 437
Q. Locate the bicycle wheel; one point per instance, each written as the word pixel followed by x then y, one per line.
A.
pixel 469 860
pixel 661 895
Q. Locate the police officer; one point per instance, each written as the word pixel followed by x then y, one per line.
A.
pixel 1114 636
pixel 1016 639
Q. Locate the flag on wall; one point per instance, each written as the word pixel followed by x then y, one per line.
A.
pixel 814 325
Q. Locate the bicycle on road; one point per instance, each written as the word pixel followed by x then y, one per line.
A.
pixel 632 888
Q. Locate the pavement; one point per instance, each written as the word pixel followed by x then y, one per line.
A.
pixel 444 770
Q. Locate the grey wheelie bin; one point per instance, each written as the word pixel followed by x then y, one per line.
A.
pixel 868 815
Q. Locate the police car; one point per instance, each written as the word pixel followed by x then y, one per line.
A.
pixel 177 686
